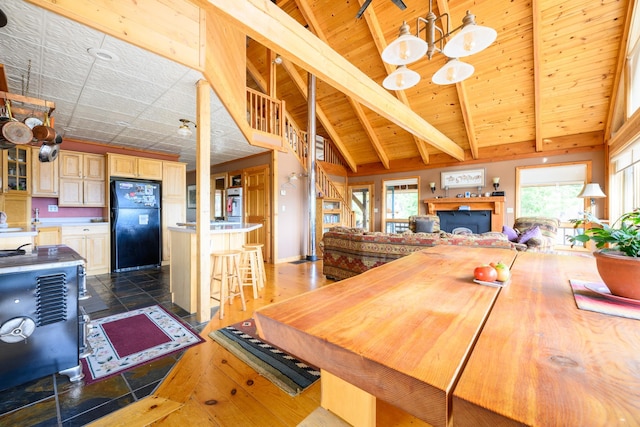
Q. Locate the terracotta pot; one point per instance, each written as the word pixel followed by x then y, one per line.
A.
pixel 620 273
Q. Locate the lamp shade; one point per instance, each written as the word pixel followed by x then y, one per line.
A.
pixel 592 190
pixel 471 39
pixel 406 49
pixel 453 71
pixel 402 78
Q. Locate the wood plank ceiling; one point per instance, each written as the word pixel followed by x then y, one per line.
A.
pixel 544 87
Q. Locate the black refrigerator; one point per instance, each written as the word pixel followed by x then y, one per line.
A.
pixel 135 225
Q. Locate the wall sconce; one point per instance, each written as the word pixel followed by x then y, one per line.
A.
pixel 291 178
pixel 184 129
pixel 432 185
pixel 496 183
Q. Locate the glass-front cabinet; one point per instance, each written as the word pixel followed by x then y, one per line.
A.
pixel 16 170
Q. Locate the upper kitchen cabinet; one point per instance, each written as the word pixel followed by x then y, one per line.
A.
pixel 124 166
pixel 82 179
pixel 16 173
pixel 174 181
pixel 44 176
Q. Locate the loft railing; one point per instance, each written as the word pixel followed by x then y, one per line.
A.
pixel 265 113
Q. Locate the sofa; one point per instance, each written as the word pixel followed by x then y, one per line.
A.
pixel 347 252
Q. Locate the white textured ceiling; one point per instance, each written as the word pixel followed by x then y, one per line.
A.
pixel 134 102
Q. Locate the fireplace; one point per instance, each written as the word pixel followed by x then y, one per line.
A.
pixel 494 204
pixel 475 221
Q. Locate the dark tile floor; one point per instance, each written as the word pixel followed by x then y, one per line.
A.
pixel 55 401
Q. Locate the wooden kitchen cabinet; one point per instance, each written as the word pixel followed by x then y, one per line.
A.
pixel 44 176
pixel 92 242
pixel 82 179
pixel 16 170
pixel 174 180
pixel 174 205
pixel 48 236
pixel 18 209
pixel 120 165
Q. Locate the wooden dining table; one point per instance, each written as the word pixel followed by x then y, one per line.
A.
pixel 420 334
pixel 541 361
pixel 401 332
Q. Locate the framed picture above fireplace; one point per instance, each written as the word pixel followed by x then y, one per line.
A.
pixel 460 179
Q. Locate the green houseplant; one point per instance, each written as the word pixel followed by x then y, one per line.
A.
pixel 618 251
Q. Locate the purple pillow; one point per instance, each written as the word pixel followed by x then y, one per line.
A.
pixel 532 233
pixel 512 236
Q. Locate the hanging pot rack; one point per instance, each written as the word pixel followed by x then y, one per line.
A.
pixel 28 106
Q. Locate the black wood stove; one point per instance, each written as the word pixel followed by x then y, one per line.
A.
pixel 40 322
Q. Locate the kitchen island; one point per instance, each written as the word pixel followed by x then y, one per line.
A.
pixel 183 264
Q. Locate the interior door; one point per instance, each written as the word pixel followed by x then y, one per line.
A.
pixel 257 207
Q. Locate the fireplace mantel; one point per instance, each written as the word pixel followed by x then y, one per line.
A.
pixel 494 204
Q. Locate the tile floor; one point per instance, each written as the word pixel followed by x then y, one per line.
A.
pixel 55 401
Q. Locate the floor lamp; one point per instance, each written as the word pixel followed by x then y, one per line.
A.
pixel 592 191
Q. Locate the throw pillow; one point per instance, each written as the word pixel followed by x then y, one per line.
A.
pixel 512 236
pixel 532 233
pixel 424 226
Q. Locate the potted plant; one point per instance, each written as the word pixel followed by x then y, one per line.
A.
pixel 618 251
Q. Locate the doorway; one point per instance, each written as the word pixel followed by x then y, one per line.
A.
pixel 361 198
pixel 257 206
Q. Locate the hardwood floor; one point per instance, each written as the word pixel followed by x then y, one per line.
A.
pixel 211 387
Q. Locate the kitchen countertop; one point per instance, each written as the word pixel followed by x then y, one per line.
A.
pixel 39 258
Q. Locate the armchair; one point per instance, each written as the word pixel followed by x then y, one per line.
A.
pixel 543 241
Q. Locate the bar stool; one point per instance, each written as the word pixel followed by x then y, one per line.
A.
pixel 226 270
pixel 261 269
pixel 250 273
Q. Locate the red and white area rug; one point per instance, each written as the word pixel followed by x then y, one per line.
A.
pixel 126 340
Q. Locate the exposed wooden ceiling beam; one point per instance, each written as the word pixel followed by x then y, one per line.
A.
pixel 257 77
pixel 309 16
pixel 463 99
pixel 272 27
pixel 537 80
pixel 302 87
pixel 371 19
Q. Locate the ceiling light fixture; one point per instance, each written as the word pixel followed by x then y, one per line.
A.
pixel 184 129
pixel 408 48
pixel 103 54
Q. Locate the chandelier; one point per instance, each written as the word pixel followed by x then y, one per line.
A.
pixel 408 48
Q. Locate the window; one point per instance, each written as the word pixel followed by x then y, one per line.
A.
pixel 552 191
pixel 625 181
pixel 400 201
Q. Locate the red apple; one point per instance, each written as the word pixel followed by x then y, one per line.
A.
pixel 486 273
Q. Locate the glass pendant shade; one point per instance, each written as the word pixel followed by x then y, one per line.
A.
pixel 184 130
pixel 406 49
pixel 453 71
pixel 471 39
pixel 402 78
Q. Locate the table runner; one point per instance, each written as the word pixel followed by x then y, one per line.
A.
pixel 586 299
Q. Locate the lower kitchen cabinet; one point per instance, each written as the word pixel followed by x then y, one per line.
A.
pixel 48 236
pixel 91 241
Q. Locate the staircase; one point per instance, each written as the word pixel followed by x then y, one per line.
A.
pixel 269 116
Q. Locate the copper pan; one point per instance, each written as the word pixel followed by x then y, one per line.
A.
pixel 13 131
pixel 44 132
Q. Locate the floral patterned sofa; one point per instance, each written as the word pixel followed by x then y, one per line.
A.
pixel 348 252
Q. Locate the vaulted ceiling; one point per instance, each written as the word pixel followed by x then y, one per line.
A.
pixel 545 86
